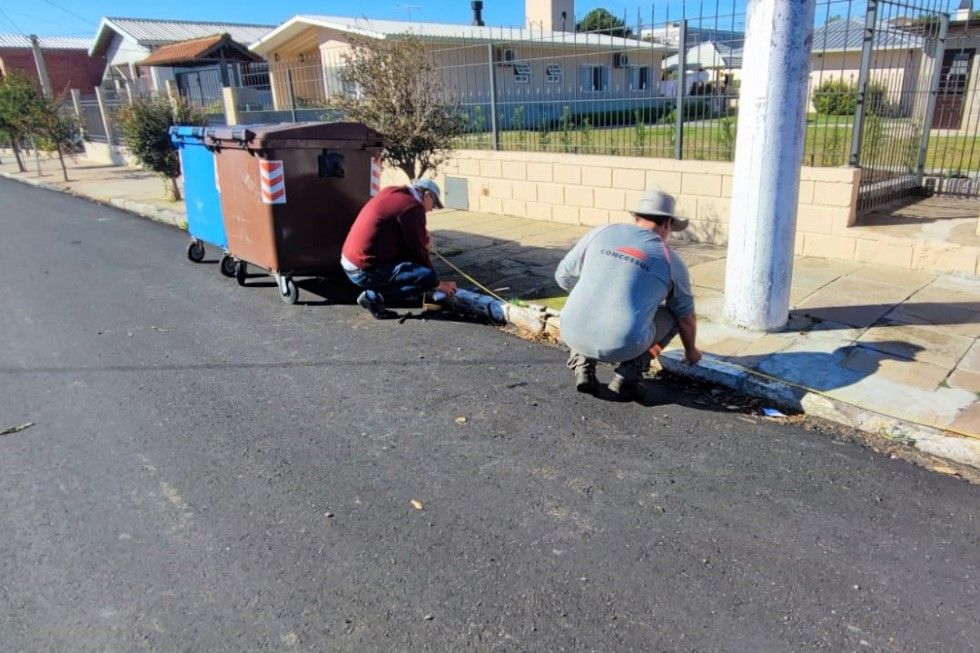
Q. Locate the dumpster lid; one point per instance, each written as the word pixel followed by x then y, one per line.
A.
pixel 184 131
pixel 266 136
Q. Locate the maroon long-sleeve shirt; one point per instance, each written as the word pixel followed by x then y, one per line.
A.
pixel 390 229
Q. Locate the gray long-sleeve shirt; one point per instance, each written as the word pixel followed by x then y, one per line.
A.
pixel 617 276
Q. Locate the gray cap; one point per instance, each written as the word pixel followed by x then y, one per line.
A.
pixel 656 203
pixel 424 183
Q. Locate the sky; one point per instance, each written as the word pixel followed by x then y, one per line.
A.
pixel 81 17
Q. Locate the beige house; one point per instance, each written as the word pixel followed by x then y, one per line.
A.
pixel 537 68
pixel 897 61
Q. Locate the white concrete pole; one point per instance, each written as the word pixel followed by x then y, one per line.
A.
pixel 42 70
pixel 768 155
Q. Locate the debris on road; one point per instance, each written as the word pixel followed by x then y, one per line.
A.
pixel 416 504
pixel 461 420
pixel 772 412
pixel 16 429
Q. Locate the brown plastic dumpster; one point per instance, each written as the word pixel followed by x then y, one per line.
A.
pixel 290 193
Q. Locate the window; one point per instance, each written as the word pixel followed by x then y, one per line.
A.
pixel 638 78
pixel 552 73
pixel 594 78
pixel 522 73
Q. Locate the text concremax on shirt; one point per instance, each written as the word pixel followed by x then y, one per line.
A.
pixel 629 258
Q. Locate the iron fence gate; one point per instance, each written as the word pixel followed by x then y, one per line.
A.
pixel 952 166
pixel 916 121
pixel 901 50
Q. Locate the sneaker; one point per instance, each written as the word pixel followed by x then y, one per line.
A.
pixel 586 382
pixel 373 302
pixel 626 390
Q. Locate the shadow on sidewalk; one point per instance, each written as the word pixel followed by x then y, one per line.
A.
pixel 825 371
pixel 827 318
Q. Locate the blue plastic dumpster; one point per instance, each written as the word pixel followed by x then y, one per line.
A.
pixel 205 223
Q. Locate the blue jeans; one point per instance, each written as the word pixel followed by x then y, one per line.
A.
pixel 396 283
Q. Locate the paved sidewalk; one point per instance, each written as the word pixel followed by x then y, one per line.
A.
pixel 888 350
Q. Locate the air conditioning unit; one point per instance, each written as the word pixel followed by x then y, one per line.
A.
pixel 505 56
pixel 620 60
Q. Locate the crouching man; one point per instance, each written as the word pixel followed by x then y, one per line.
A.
pixel 629 295
pixel 387 249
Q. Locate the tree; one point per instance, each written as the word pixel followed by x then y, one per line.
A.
pixel 18 102
pixel 55 129
pixel 397 91
pixel 602 21
pixel 145 124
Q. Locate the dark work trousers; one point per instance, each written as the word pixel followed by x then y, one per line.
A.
pixel 664 329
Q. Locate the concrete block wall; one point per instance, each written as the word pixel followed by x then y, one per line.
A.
pixel 592 190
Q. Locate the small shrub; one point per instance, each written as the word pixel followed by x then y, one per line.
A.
pixel 145 125
pixel 587 132
pixel 544 135
pixel 517 120
pixel 727 135
pixel 565 126
pixel 639 129
pixel 838 97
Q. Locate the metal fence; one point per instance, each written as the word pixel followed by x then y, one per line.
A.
pixel 952 162
pixel 893 88
pixel 90 119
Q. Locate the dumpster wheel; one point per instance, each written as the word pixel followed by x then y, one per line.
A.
pixel 229 266
pixel 195 251
pixel 287 289
pixel 241 272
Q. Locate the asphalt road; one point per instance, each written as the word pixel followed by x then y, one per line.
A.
pixel 212 470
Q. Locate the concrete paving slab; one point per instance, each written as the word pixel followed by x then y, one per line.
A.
pixel 968 419
pixel 854 301
pixel 915 374
pixel 917 343
pixel 971 359
pixel 710 274
pixel 938 408
pixel 814 273
pixel 879 275
pixel 944 318
pixel 815 363
pixel 965 380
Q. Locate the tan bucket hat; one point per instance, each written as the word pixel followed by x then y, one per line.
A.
pixel 656 203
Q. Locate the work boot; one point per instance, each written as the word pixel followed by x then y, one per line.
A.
pixel 585 380
pixel 625 389
pixel 375 303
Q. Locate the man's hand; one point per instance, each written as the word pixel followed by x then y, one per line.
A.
pixel 448 287
pixel 692 356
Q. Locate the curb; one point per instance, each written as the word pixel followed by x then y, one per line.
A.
pixel 535 321
pixel 538 321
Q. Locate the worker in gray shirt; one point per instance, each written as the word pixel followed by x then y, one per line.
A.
pixel 629 295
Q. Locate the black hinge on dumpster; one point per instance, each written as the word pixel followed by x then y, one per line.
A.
pixel 331 164
pixel 228 136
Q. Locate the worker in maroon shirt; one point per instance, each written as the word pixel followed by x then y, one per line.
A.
pixel 387 249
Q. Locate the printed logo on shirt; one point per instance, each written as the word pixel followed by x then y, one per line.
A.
pixel 629 254
pixel 633 251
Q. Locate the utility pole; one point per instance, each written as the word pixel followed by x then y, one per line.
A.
pixel 42 71
pixel 768 155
